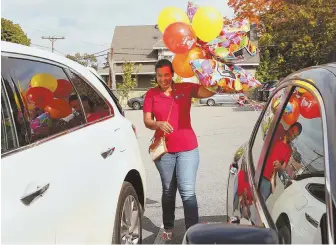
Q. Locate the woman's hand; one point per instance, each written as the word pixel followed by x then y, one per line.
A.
pixel 164 126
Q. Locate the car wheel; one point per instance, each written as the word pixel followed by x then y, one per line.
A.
pixel 128 220
pixel 284 235
pixel 210 102
pixel 136 105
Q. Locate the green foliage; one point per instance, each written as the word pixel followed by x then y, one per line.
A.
pixel 88 60
pixel 11 32
pixel 297 36
pixel 129 80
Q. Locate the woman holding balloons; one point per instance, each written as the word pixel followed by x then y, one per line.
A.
pixel 170 104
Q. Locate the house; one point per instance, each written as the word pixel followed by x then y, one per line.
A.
pixel 144 46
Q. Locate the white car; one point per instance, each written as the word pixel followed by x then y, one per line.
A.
pixel 71 170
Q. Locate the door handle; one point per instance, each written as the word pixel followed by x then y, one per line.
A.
pixel 33 192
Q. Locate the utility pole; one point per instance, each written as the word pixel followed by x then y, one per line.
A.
pixel 53 40
pixel 111 82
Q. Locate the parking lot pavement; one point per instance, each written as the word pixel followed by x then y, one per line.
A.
pixel 220 131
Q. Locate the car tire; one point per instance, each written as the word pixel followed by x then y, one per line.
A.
pixel 211 103
pixel 284 235
pixel 136 105
pixel 128 225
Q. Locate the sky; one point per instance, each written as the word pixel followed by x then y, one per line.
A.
pixel 88 25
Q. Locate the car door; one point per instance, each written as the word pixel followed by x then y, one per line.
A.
pixel 242 200
pixel 110 138
pixel 36 196
pixel 292 181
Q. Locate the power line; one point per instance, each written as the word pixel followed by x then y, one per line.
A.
pixel 41 46
pixel 101 51
pixel 47 32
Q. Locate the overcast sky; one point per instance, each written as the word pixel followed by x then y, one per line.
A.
pixel 88 25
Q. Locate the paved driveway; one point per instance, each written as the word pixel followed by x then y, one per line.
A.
pixel 220 131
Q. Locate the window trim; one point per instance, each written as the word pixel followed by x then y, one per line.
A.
pixel 253 169
pixel 264 216
pixel 4 89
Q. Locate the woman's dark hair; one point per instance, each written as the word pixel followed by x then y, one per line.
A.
pixel 298 125
pixel 162 63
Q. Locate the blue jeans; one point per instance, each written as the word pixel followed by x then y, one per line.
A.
pixel 265 188
pixel 178 171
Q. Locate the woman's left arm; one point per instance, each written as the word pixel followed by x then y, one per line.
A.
pixel 204 93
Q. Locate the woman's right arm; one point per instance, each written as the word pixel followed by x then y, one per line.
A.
pixel 154 125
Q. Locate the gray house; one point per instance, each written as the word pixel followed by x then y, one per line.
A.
pixel 143 45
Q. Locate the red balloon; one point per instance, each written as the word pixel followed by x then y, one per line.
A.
pixel 309 107
pixel 292 111
pixel 39 96
pixel 58 108
pixel 64 89
pixel 179 37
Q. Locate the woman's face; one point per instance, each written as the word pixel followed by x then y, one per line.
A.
pixel 164 77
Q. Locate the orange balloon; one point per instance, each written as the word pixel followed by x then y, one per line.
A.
pixel 181 64
pixel 292 111
pixel 58 108
pixel 245 87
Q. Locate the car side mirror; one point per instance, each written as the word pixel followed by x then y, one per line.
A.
pixel 229 234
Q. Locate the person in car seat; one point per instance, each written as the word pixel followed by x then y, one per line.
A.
pixel 88 106
pixel 278 159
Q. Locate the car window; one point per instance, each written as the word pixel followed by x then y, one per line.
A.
pixel 292 179
pixel 39 97
pixel 95 106
pixel 8 135
pixel 264 125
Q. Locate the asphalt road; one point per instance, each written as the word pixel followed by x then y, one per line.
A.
pixel 220 131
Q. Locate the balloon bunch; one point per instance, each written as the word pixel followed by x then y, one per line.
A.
pixel 49 94
pixel 205 48
pixel 302 102
pixel 46 99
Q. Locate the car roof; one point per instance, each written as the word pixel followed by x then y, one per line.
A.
pixel 19 49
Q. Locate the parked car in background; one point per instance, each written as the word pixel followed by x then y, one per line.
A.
pixel 281 186
pixel 71 169
pixel 262 92
pixel 219 99
pixel 268 89
pixel 137 102
pixel 259 91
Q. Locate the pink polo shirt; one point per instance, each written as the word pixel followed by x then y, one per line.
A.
pixel 183 137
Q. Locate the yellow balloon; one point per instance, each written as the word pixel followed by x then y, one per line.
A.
pixel 170 15
pixel 44 80
pixel 207 23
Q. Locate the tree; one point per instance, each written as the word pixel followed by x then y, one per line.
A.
pixel 88 60
pixel 11 32
pixel 253 9
pixel 296 36
pixel 129 81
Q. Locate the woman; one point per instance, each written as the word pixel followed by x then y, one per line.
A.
pixel 178 167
